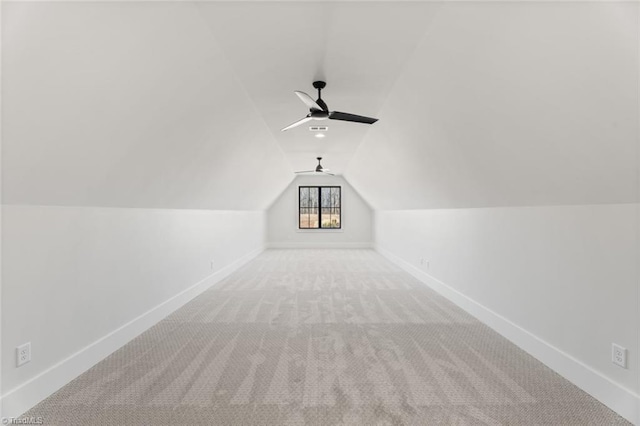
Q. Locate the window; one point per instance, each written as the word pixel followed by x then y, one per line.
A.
pixel 319 207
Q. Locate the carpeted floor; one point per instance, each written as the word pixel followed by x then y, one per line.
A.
pixel 321 337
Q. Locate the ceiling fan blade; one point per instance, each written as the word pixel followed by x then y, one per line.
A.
pixel 330 174
pixel 344 116
pixel 308 101
pixel 297 123
pixel 307 171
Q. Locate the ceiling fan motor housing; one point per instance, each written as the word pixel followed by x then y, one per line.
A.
pixel 319 115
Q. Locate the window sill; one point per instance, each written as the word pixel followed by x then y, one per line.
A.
pixel 320 231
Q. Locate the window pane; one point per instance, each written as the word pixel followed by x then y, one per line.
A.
pixel 336 208
pixel 326 219
pixel 313 197
pixel 335 197
pixel 305 209
pixel 330 207
pixel 308 214
pixel 326 197
pixel 309 218
pixel 335 217
pixel 313 218
pixel 313 207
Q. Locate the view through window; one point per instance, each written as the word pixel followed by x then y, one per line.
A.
pixel 319 207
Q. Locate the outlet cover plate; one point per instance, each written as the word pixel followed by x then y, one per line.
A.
pixel 619 355
pixel 23 354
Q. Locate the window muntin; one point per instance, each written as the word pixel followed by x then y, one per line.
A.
pixel 319 207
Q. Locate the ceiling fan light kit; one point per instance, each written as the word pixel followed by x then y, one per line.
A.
pixel 318 110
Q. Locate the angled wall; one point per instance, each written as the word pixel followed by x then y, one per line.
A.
pixel 516 191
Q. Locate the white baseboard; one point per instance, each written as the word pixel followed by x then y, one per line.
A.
pixel 620 399
pixel 318 245
pixel 22 398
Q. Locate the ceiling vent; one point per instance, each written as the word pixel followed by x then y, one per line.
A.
pixel 318 128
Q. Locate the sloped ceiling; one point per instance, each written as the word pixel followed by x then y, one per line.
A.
pixel 180 104
pixel 131 105
pixel 511 104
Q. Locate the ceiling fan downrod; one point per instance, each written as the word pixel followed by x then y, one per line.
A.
pixel 320 85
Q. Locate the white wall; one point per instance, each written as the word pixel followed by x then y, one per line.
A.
pixel 568 275
pixel 76 275
pixel 282 218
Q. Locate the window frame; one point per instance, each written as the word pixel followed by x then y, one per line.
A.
pixel 320 207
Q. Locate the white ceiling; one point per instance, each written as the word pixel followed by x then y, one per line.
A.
pixel 180 104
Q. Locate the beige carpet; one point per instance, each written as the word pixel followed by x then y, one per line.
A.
pixel 321 337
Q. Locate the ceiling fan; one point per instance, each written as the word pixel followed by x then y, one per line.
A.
pixel 319 169
pixel 318 110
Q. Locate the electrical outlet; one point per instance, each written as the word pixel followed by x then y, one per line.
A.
pixel 23 354
pixel 619 355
